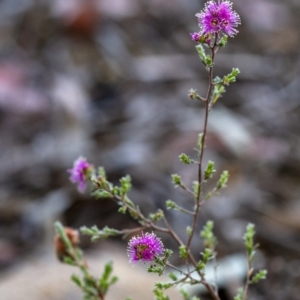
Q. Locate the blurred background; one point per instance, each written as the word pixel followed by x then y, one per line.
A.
pixel 108 80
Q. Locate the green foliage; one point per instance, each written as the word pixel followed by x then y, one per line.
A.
pixel 101 172
pixel 207 255
pixel 92 288
pixel 77 280
pixel 260 275
pixel 128 202
pixel 62 234
pixel 209 171
pixel 239 295
pixel 122 209
pixel 156 269
pixel 223 180
pixel 217 93
pixel 172 276
pixel 192 94
pixel 188 230
pixel 167 254
pixel 163 285
pixel 206 233
pixel 136 213
pixel 171 204
pixel 206 59
pixel 176 180
pixel 156 216
pixel 196 187
pixel 183 253
pixel 201 53
pixel 231 77
pixel 185 159
pixel 248 241
pixel 223 41
pixel 217 80
pixel 200 142
pixel 186 295
pixel 159 294
pixel 95 233
pixel 201 266
pixel 100 181
pixel 106 280
pixel 101 194
pixel 125 184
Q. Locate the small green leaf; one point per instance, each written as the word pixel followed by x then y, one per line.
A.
pixel 248 241
pixel 69 261
pixel 122 209
pixel 239 295
pixel 200 141
pixel 208 61
pixel 201 266
pixel 189 230
pixel 209 171
pixel 207 255
pixel 76 280
pixel 223 41
pixel 176 180
pixel 217 93
pixel 231 77
pixel 185 294
pixel 157 216
pixel 60 230
pixel 196 187
pixel 183 252
pixel 223 180
pixel 125 184
pixel 260 275
pixel 172 276
pixel 163 285
pixel 97 234
pixel 217 80
pixel 192 94
pixel 185 159
pixel 101 172
pixel 159 294
pixel 101 194
pixel 210 240
pixel 201 53
pixel 156 269
pixel 171 204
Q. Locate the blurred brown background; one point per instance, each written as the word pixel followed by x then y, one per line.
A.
pixel 107 79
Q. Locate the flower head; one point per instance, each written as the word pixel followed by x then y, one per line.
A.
pixel 195 36
pixel 144 248
pixel 79 173
pixel 218 17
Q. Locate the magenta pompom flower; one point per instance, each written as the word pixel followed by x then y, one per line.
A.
pixel 218 17
pixel 79 173
pixel 195 36
pixel 144 248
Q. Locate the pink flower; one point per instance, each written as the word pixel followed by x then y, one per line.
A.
pixel 195 36
pixel 218 17
pixel 144 248
pixel 79 173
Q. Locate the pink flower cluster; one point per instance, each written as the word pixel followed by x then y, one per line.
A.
pixel 217 17
pixel 144 248
pixel 79 173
